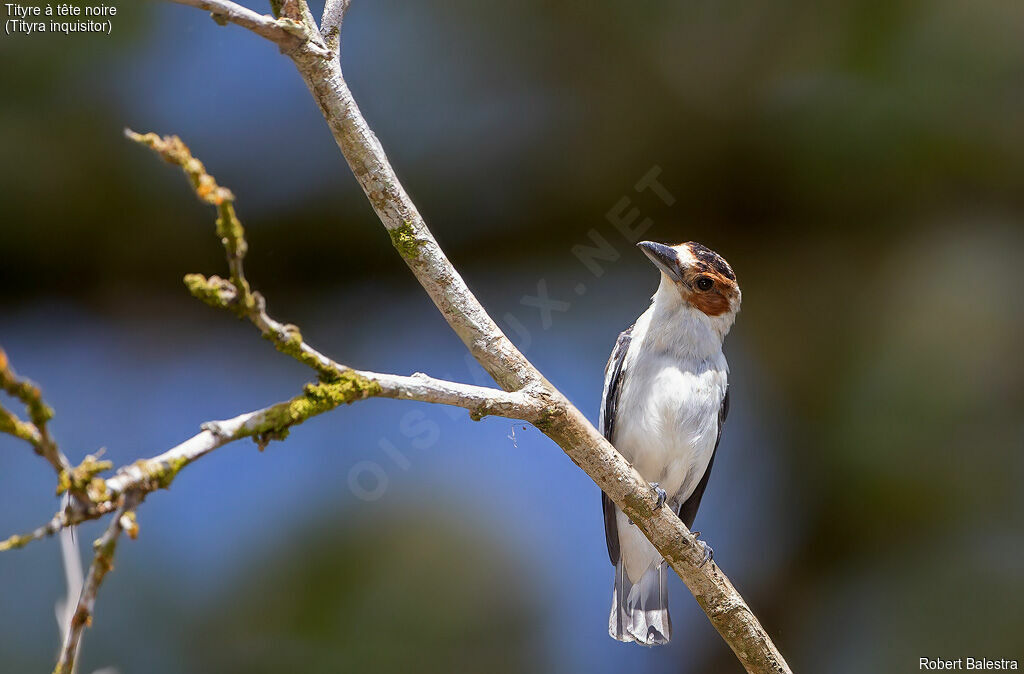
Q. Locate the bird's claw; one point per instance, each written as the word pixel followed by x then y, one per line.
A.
pixel 707 550
pixel 662 495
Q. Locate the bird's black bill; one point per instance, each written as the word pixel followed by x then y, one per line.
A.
pixel 664 258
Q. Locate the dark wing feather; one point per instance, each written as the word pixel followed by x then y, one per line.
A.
pixel 609 403
pixel 688 511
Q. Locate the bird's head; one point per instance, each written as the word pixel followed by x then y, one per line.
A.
pixel 702 277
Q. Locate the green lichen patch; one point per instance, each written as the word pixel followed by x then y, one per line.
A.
pixel 639 505
pixel 230 230
pixel 547 419
pixel 229 227
pixel 159 473
pixel 97 490
pixel 214 291
pixel 162 473
pixel 82 479
pixel 289 342
pixel 25 391
pixel 172 150
pixel 15 542
pixel 12 425
pixel 316 399
pixel 405 241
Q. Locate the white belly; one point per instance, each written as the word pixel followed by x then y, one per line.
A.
pixel 666 425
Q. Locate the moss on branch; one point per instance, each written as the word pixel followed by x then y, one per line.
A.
pixel 405 241
pixel 82 478
pixel 12 425
pixel 15 542
pixel 28 393
pixel 214 291
pixel 228 226
pixel 275 422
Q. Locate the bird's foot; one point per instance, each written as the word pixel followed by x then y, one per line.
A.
pixel 708 551
pixel 662 495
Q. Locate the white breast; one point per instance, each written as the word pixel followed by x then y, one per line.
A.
pixel 666 421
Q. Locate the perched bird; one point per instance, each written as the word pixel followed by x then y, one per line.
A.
pixel 666 396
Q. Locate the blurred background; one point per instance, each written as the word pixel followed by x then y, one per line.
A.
pixel 860 164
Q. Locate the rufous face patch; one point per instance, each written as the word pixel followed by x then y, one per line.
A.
pixel 708 282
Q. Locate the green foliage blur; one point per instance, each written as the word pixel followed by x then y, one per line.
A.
pixel 381 595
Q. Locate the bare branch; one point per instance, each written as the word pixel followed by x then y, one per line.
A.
pixel 409 233
pixel 102 564
pixel 229 229
pixel 338 385
pixel 237 296
pixel 73 576
pixel 35 431
pixel 273 423
pixel 58 523
pixel 224 11
pixel 330 22
pixel 481 401
pixel 288 33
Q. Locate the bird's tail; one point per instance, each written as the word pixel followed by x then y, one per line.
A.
pixel 640 610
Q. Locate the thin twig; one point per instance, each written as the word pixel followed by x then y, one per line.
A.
pixel 237 296
pixel 102 564
pixel 274 422
pixel 224 11
pixel 35 431
pixel 57 523
pixel 73 576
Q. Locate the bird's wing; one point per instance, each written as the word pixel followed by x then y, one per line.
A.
pixel 688 511
pixel 609 401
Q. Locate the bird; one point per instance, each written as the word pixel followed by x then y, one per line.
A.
pixel 665 399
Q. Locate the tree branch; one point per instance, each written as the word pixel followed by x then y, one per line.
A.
pixel 286 32
pixel 338 383
pixel 409 233
pixel 273 423
pixel 34 431
pixel 79 481
pixel 224 11
pixel 75 480
pixel 237 296
pixel 330 22
pixel 102 564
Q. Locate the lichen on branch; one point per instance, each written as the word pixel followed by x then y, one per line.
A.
pixel 315 399
pixel 34 431
pixel 228 226
pixel 404 240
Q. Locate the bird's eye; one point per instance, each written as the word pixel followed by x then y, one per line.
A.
pixel 704 283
